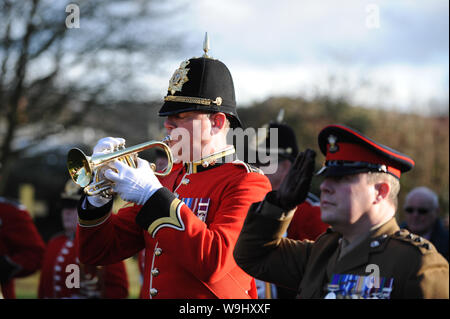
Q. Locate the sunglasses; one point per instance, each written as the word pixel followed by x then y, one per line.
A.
pixel 420 210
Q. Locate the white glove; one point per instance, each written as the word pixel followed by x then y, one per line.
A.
pixel 103 146
pixel 135 185
pixel 108 144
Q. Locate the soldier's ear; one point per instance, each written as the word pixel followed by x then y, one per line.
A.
pixel 382 191
pixel 218 121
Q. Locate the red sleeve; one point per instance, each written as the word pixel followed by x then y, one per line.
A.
pixel 109 238
pixel 21 241
pixel 206 251
pixel 116 281
pixel 306 222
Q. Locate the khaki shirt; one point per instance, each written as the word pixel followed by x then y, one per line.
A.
pixel 389 263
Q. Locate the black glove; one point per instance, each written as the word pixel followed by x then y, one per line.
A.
pixel 295 185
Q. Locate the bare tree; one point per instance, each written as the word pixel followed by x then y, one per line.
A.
pixel 54 70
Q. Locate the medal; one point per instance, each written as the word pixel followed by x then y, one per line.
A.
pixel 351 286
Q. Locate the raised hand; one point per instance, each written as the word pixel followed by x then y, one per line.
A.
pixel 295 186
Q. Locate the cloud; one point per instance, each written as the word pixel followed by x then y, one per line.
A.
pixel 292 47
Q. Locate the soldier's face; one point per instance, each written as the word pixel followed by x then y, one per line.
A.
pixel 70 219
pixel 190 132
pixel 277 177
pixel 344 201
pixel 420 213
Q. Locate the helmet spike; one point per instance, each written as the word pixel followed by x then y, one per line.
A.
pixel 280 116
pixel 206 45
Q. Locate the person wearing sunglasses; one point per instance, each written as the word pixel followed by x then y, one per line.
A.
pixel 422 218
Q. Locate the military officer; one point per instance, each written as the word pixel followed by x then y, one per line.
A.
pixel 364 254
pixel 188 222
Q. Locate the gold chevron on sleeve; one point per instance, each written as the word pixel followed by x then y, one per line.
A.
pixel 173 221
pixel 94 222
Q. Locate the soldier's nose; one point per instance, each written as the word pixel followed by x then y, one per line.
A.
pixel 325 186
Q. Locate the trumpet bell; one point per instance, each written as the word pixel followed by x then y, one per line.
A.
pixel 88 171
pixel 79 167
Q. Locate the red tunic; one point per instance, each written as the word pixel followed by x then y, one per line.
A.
pixel 95 282
pixel 190 239
pixel 20 242
pixel 306 222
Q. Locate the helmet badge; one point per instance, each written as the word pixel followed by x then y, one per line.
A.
pixel 178 78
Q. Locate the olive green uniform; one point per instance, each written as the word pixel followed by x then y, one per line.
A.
pixel 400 264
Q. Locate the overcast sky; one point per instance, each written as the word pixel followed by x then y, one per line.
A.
pixel 379 53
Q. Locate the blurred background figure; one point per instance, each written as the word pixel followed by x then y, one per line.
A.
pixel 21 246
pixel 421 209
pixel 57 281
pixel 306 223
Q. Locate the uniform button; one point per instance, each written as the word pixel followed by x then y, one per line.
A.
pixel 155 272
pixel 374 244
pixel 158 251
pixel 153 292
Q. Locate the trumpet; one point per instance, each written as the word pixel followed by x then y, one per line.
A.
pixel 88 171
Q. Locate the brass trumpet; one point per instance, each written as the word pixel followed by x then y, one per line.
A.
pixel 88 171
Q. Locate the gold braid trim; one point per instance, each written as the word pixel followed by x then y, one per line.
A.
pixel 94 222
pixel 173 221
pixel 193 100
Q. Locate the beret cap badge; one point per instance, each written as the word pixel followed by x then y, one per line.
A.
pixel 178 78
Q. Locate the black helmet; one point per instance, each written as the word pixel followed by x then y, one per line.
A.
pixel 287 147
pixel 201 84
